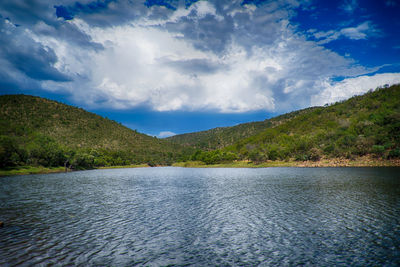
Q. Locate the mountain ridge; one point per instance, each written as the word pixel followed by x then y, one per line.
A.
pixel 363 125
pixel 211 139
pixel 37 131
pixel 29 122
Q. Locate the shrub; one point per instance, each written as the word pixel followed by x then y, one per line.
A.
pixel 315 154
pixel 378 150
pixel 395 153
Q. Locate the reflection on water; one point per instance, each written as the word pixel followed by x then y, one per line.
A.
pixel 182 216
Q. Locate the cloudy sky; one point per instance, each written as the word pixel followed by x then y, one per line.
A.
pixel 169 66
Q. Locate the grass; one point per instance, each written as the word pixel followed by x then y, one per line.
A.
pixel 23 170
pixel 30 170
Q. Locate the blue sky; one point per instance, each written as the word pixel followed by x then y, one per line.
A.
pixel 165 66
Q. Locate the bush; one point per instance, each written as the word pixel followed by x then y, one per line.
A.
pixel 315 154
pixel 378 150
pixel 395 153
pixel 273 154
pixel 256 157
pixel 8 152
pixel 82 160
pixel 301 157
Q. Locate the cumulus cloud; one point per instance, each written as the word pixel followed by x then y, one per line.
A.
pixel 221 56
pixel 25 63
pixel 333 92
pixel 156 67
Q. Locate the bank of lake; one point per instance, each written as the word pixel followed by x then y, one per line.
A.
pixel 335 162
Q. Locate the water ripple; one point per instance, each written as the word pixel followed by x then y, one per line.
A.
pixel 225 217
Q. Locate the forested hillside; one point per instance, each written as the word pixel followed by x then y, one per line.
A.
pixel 363 125
pixel 221 137
pixel 37 131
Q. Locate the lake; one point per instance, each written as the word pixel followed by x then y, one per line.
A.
pixel 202 217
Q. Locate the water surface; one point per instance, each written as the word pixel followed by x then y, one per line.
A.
pixel 183 216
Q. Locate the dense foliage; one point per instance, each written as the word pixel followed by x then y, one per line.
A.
pixel 221 137
pixel 37 131
pixel 363 125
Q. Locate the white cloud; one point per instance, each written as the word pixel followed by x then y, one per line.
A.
pixel 144 64
pixel 165 134
pixel 130 71
pixel 200 9
pixel 364 30
pixel 333 92
pixel 359 32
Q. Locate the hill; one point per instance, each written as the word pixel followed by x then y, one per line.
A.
pixel 363 125
pixel 221 137
pixel 38 131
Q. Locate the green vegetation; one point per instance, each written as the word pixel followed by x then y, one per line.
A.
pixel 363 125
pixel 221 137
pixel 40 132
pixel 18 170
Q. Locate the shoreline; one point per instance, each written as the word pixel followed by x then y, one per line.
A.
pixel 26 170
pixel 337 162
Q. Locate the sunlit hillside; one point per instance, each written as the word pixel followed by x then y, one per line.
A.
pixel 35 130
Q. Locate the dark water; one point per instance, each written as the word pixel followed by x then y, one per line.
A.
pixel 177 216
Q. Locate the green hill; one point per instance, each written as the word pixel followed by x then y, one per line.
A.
pixel 363 125
pixel 221 137
pixel 38 131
